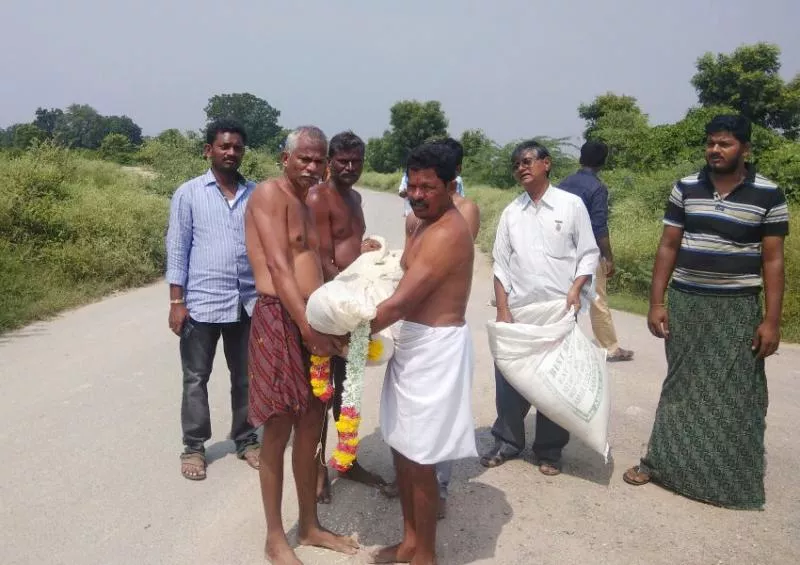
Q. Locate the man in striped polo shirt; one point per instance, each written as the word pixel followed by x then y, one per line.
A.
pixel 724 230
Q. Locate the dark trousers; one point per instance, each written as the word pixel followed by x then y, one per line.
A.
pixel 509 428
pixel 198 347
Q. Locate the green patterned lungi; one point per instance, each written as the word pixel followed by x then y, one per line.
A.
pixel 707 441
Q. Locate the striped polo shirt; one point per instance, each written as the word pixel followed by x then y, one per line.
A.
pixel 721 246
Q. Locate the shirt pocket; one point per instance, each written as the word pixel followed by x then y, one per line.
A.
pixel 558 242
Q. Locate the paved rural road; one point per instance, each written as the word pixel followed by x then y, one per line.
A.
pixel 90 437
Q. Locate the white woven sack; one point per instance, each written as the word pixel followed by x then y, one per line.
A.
pixel 555 367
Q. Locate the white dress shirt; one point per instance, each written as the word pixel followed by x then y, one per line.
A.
pixel 541 248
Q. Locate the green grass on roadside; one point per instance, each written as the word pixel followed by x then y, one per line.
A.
pixel 73 229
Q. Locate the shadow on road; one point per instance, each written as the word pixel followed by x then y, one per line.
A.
pixel 578 460
pixel 477 512
pixel 218 450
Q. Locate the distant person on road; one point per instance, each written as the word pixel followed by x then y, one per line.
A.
pixel 340 224
pixel 212 292
pixel 471 213
pixel 426 413
pixel 544 251
pixel 724 231
pixel 283 247
pixel 594 194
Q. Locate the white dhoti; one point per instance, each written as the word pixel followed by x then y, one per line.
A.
pixel 426 409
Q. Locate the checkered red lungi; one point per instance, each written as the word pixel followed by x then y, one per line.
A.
pixel 278 364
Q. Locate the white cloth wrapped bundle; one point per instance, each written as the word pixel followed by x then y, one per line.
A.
pixel 555 367
pixel 338 306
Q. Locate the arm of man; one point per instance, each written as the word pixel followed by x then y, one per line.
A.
pixel 318 203
pixel 768 335
pixel 666 256
pixel 179 242
pixel 472 215
pixel 425 274
pixel 268 209
pixel 502 280
pixel 599 218
pixel 586 253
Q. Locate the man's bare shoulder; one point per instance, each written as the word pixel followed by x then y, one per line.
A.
pixel 450 231
pixel 267 193
pixel 318 194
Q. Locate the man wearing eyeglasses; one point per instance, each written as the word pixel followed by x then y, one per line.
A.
pixel 341 228
pixel 544 250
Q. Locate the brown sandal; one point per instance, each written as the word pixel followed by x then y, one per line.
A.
pixel 193 466
pixel 636 477
pixel 252 456
pixel 549 469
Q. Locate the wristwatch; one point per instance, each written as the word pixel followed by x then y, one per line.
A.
pixel 176 301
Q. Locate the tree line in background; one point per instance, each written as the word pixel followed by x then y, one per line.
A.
pixel 745 81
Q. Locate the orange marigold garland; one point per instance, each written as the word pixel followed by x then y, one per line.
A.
pixel 320 374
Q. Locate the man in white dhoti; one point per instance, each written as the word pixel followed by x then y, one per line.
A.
pixel 426 416
pixel 544 250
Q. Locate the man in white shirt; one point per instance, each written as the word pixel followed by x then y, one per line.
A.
pixel 544 250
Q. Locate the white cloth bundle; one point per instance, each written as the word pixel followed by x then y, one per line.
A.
pixel 555 367
pixel 338 306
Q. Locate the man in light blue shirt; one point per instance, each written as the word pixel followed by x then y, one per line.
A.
pixel 212 292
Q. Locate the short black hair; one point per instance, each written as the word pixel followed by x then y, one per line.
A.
pixel 530 145
pixel 345 141
pixel 436 156
pixel 454 146
pixel 224 125
pixel 593 154
pixel 737 125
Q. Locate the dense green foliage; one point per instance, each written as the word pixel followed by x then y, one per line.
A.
pixel 412 123
pixel 72 229
pixel 258 117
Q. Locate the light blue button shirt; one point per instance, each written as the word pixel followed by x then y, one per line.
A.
pixel 206 252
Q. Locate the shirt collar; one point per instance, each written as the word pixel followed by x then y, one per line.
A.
pixel 546 199
pixel 209 178
pixel 749 178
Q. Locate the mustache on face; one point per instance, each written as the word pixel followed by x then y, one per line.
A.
pixel 416 203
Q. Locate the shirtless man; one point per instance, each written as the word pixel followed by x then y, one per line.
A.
pixel 283 248
pixel 341 227
pixel 471 213
pixel 430 374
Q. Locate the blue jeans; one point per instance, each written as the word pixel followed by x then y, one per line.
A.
pixel 198 346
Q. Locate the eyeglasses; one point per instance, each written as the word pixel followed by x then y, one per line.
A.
pixel 525 163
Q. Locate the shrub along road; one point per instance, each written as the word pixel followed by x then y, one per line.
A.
pixel 90 431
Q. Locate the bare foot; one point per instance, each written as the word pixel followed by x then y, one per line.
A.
pixel 320 537
pixel 359 474
pixel 323 486
pixel 400 553
pixel 279 553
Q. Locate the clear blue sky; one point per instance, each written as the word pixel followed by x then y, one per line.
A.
pixel 514 68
